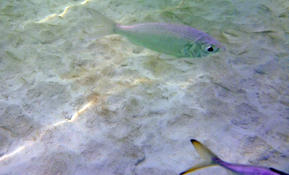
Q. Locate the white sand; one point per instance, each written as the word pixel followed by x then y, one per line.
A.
pixel 74 104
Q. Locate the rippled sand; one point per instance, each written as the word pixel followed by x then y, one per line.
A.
pixel 72 102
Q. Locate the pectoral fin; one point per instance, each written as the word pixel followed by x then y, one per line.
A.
pixel 197 167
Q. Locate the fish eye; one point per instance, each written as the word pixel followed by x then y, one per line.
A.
pixel 210 49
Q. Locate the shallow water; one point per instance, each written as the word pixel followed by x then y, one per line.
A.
pixel 72 102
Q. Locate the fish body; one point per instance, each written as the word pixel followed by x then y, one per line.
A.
pixel 235 169
pixel 172 39
pixel 248 169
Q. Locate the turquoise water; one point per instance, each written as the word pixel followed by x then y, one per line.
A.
pixel 75 102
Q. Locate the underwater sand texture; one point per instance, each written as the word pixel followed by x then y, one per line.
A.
pixel 74 103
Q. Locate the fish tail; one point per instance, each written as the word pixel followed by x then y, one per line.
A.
pixel 93 23
pixel 104 25
pixel 206 154
pixel 198 167
pixel 77 20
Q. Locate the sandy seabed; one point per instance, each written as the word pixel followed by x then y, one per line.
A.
pixel 74 103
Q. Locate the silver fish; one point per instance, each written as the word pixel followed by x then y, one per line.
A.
pixel 234 169
pixel 172 39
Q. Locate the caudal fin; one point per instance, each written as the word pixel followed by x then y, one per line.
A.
pixel 89 21
pixel 205 153
pixel 198 167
